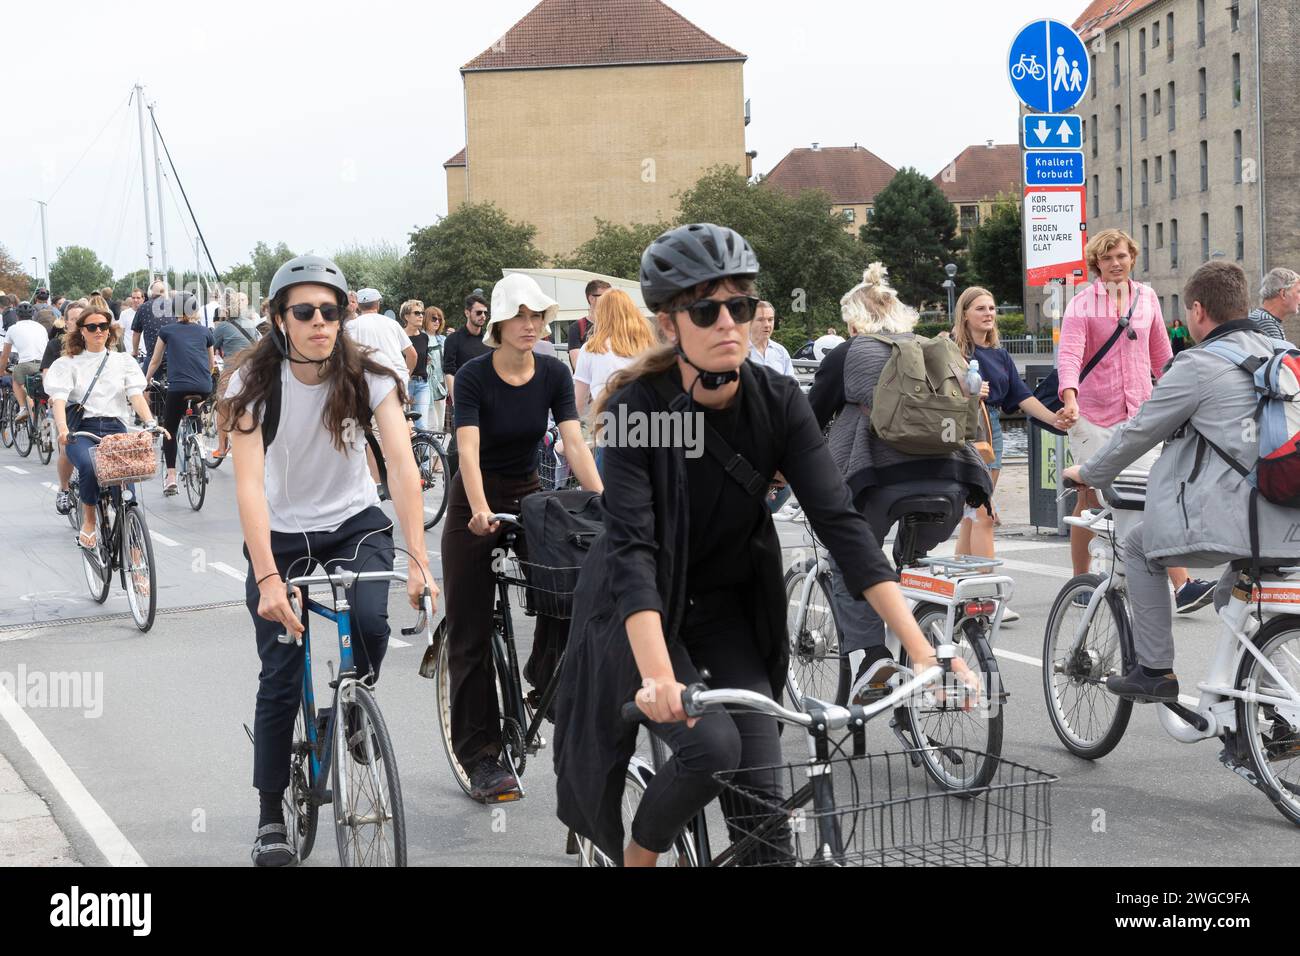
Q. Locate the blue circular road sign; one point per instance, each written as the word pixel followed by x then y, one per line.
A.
pixel 1048 66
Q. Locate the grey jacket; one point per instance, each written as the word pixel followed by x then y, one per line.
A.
pixel 1197 506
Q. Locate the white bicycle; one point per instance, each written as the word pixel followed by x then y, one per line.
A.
pixel 1250 699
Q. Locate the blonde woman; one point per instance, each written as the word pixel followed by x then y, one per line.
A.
pixel 976 334
pixel 879 475
pixel 411 315
pixel 621 335
pixel 435 326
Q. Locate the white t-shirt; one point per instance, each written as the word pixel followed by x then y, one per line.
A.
pixel 27 340
pixel 71 375
pixel 775 357
pixel 311 485
pixel 210 313
pixel 124 321
pixel 596 368
pixel 385 336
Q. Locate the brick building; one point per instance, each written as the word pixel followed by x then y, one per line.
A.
pixel 850 175
pixel 977 178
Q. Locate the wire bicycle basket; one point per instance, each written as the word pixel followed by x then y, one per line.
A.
pixel 553 469
pixel 116 466
pixel 541 589
pixel 890 813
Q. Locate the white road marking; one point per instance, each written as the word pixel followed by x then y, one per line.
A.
pixel 163 539
pixel 50 485
pixel 394 642
pixel 1044 569
pixel 226 569
pixel 16 470
pixel 1186 699
pixel 110 841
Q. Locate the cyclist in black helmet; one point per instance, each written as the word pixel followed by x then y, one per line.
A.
pixel 688 573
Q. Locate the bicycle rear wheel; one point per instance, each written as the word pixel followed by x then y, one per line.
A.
pixel 1087 718
pixel 45 438
pixel 7 420
pixel 137 560
pixel 22 432
pixel 369 820
pixel 818 663
pixel 635 781
pixel 434 483
pixel 947 735
pixel 97 562
pixel 1272 732
pixel 301 812
pixel 74 489
pixel 196 475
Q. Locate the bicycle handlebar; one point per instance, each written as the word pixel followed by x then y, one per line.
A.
pixel 347 578
pixel 158 430
pixel 512 520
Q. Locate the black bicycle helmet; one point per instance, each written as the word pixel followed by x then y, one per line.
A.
pixel 26 310
pixel 309 268
pixel 688 255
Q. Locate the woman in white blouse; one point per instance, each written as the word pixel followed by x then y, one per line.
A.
pixel 107 384
pixel 622 333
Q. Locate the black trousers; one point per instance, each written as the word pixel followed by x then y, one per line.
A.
pixel 362 543
pixel 467 567
pixel 717 637
pixel 173 412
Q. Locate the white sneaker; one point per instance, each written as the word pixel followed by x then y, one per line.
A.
pixel 1009 615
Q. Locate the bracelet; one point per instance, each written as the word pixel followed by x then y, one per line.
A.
pixel 273 574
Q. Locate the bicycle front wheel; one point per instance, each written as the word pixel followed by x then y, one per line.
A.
pixel 818 663
pixel 635 781
pixel 435 485
pixel 74 489
pixel 301 812
pixel 959 748
pixel 1087 718
pixel 137 560
pixel 369 820
pixel 1272 732
pixel 96 562
pixel 45 439
pixel 196 475
pixel 23 436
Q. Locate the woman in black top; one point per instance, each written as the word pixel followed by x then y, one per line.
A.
pixel 412 317
pixel 687 575
pixel 502 402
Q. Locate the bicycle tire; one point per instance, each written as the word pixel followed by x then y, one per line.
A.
pixel 74 489
pixel 1100 655
pixel 442 705
pixel 1252 717
pixel 45 438
pixel 23 436
pixel 936 730
pixel 196 475
pixel 7 412
pixel 301 812
pixel 635 780
pixel 827 677
pixel 435 487
pixel 96 563
pixel 385 810
pixel 135 535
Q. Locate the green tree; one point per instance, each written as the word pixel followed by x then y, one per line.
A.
pixel 914 228
pixel 13 280
pixel 77 271
pixel 994 253
pixel 139 279
pixel 614 250
pixel 374 266
pixel 258 272
pixel 465 250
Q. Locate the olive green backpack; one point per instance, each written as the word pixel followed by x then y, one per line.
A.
pixel 919 406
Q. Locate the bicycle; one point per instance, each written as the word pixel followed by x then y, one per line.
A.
pixel 955 602
pixel 431 460
pixel 1251 697
pixel 193 470
pixel 1028 66
pixel 45 436
pixel 365 791
pixel 23 431
pixel 8 410
pixel 552 467
pixel 544 591
pixel 122 545
pixel 882 816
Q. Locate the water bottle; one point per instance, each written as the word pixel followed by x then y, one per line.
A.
pixel 973 379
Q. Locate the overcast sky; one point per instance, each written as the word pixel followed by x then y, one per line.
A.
pixel 327 124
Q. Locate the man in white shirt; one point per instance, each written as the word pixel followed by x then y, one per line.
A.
pixel 127 316
pixel 762 350
pixel 214 304
pixel 26 341
pixel 381 333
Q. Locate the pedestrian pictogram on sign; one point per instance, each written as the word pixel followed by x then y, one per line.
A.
pixel 1049 67
pixel 1055 233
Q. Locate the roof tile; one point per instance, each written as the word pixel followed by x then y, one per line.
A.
pixel 851 174
pixel 981 173
pixel 458 159
pixel 1103 14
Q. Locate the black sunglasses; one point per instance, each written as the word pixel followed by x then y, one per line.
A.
pixel 305 311
pixel 1124 323
pixel 706 311
pixel 95 326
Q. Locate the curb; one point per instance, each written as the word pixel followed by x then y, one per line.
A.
pixel 29 835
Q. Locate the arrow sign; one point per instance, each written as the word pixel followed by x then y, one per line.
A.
pixel 1052 131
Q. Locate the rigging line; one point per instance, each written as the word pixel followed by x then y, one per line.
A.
pixel 120 109
pixel 181 186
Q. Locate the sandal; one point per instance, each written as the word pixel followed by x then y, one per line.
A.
pixel 82 538
pixel 270 852
pixel 170 489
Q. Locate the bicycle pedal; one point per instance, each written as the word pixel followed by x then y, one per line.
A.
pixel 514 796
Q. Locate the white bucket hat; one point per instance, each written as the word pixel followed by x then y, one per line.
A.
pixel 509 294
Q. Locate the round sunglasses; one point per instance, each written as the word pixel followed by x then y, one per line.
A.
pixel 704 313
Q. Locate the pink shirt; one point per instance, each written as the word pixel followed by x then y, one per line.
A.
pixel 1114 390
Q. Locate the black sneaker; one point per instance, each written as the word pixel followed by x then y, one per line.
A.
pixel 1137 686
pixel 491 782
pixel 1194 595
pixel 271 846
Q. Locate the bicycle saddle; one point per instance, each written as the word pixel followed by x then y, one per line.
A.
pixel 412 416
pixel 922 508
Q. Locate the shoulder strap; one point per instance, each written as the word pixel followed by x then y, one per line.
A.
pixel 732 462
pixel 1114 337
pixel 240 329
pixel 86 394
pixel 271 413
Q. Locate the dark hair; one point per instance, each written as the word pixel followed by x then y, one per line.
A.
pixel 1221 289
pixel 595 285
pixel 475 297
pixel 74 340
pixel 260 365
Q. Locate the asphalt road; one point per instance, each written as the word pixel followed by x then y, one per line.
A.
pixel 170 765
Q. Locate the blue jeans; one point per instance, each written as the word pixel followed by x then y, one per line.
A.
pixel 79 455
pixel 419 390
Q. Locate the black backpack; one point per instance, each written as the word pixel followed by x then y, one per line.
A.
pixel 559 529
pixel 271 424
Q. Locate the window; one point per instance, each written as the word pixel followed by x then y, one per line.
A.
pixel 1173 243
pixel 1155 109
pixel 1160 235
pixel 1202 90
pixel 1160 169
pixel 1173 113
pixel 849 215
pixel 1155 34
pixel 1236 156
pixel 970 218
pixel 1241 232
pixel 1205 165
pixel 1094 135
pixel 1142 52
pixel 1115 54
pixel 1236 79
pixel 1173 174
pixel 1200 23
pixel 1096 193
pixel 1119 189
pixel 1145 193
pixel 1119 127
pixel 1234 15
pixel 1142 107
pixel 1161 300
pixel 1205 237
pixel 871 214
pixel 1174 306
pixel 1093 74
pixel 1169 37
pixel 1146 248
